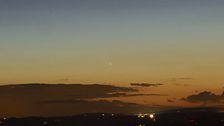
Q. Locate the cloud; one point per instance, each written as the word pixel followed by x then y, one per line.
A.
pixel 170 100
pixel 204 97
pixel 65 99
pixel 131 95
pixel 62 101
pixel 77 91
pixel 146 95
pixel 145 84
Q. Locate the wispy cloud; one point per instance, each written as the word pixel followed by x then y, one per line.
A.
pixel 145 84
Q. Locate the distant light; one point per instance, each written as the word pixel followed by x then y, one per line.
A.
pixel 151 116
pixel 142 116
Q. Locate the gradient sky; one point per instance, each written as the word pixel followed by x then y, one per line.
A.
pixel 175 42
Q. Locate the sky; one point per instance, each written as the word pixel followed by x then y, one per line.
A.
pixel 178 43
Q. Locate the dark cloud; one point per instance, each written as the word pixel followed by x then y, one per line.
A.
pixel 77 91
pixel 65 99
pixel 146 95
pixel 68 101
pixel 130 95
pixel 204 97
pixel 170 100
pixel 145 84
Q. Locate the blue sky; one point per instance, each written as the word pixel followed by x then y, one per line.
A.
pixel 104 40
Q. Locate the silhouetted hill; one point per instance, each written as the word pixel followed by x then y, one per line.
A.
pixel 181 117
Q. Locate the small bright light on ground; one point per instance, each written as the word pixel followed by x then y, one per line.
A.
pixel 151 116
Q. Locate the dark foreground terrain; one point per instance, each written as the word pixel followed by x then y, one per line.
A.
pixel 183 117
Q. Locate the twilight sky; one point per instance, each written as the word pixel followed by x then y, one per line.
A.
pixel 178 43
